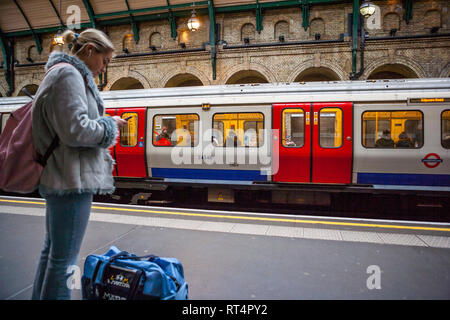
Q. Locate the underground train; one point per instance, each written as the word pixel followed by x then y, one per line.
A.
pixel 296 142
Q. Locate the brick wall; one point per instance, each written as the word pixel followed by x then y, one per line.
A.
pixel 424 57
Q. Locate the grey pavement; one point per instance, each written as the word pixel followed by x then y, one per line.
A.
pixel 238 265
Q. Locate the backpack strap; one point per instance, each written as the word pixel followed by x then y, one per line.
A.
pixel 42 160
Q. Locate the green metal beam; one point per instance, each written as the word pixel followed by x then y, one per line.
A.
pixel 259 17
pixel 133 24
pixel 24 33
pixel 273 5
pixel 172 22
pixel 35 36
pixel 408 9
pixel 355 25
pixel 7 63
pixel 305 14
pixel 146 10
pixel 212 36
pixel 57 13
pixel 90 12
pixel 165 15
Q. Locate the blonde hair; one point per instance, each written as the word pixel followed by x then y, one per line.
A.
pixel 95 37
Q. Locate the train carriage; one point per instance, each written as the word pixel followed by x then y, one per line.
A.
pixel 289 139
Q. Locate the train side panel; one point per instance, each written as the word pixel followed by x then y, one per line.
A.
pixel 420 162
pixel 198 146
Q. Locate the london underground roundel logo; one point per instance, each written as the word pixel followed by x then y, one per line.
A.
pixel 431 160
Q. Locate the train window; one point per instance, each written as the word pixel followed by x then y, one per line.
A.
pixel 445 129
pixel 129 132
pixel 330 128
pixel 392 129
pixel 170 130
pixel 238 129
pixel 293 128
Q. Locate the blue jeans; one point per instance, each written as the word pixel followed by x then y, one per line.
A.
pixel 66 220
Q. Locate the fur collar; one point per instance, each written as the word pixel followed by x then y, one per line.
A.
pixel 57 57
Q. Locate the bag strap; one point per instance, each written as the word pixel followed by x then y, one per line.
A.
pixel 42 160
pixel 127 255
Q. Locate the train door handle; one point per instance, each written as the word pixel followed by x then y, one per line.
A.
pixel 349 138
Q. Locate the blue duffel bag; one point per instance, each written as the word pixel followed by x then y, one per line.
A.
pixel 119 275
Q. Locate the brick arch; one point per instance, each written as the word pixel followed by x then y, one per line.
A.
pixel 269 75
pixel 183 80
pixel 246 77
pixel 126 83
pixel 398 60
pixel 24 84
pixel 129 74
pixel 324 64
pixel 187 70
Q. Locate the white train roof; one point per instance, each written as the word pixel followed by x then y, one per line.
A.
pixel 356 91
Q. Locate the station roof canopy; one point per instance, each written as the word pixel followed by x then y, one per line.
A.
pixel 30 17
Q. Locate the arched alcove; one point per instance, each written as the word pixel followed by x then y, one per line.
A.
pixel 126 83
pixel 317 26
pixel 246 77
pixel 432 19
pixel 391 21
pixel 31 88
pixel 317 74
pixel 248 31
pixel 183 80
pixel 392 71
pixel 281 29
pixel 155 40
pixel 128 43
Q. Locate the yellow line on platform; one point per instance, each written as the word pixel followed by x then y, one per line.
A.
pixel 352 224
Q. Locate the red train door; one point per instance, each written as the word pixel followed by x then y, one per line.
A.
pixel 294 141
pixel 332 142
pixel 130 149
pixel 315 142
pixel 112 112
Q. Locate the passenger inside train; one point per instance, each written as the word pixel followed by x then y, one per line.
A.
pixel 385 141
pixel 232 138
pixel 163 139
pixel 403 141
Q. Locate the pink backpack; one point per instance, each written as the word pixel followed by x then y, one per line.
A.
pixel 20 165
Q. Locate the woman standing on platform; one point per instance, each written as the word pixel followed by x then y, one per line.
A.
pixel 68 105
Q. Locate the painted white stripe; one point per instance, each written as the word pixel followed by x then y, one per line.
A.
pixel 254 229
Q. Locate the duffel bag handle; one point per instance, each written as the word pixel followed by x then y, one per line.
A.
pixel 127 255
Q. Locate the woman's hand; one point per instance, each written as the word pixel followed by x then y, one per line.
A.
pixel 120 122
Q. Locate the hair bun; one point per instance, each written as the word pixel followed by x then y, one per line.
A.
pixel 69 36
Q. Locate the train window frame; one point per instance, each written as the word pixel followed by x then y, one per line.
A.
pixel 342 126
pixel 395 110
pixel 173 114
pixel 137 129
pixel 282 127
pixel 243 146
pixel 442 128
